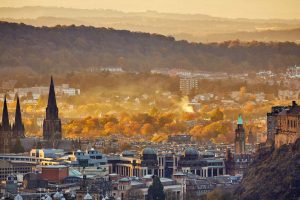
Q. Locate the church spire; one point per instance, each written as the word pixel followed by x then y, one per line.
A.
pixel 51 97
pixel 5 118
pixel 52 110
pixel 52 124
pixel 18 126
pixel 18 116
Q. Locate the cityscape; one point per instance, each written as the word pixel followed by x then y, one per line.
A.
pixel 125 110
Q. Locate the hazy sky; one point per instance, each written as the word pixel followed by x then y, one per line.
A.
pixel 222 8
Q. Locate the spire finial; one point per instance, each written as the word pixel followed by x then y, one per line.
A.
pixel 51 82
pixel 51 97
pixel 240 120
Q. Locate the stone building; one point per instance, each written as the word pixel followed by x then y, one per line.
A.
pixel 288 125
pixel 283 124
pixel 52 124
pixel 5 131
pixel 9 133
pixel 272 123
pixel 166 164
pixel 237 164
pixel 251 137
pixel 8 167
pixel 130 165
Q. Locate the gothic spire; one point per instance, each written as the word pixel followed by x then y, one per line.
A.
pixel 52 124
pixel 5 118
pixel 18 116
pixel 51 110
pixel 51 97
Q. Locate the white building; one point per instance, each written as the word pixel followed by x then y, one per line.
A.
pixel 187 84
pixel 293 72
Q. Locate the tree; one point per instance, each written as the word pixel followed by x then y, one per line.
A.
pixel 216 115
pixel 147 129
pixel 156 190
pixel 243 92
pixel 196 131
pixel 18 148
pixel 125 146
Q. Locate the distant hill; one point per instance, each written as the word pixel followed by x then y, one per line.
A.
pixel 191 27
pixel 268 35
pixel 68 48
pixel 274 174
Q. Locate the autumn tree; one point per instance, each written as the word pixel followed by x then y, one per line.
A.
pixel 242 95
pixel 147 129
pixel 216 115
pixel 196 131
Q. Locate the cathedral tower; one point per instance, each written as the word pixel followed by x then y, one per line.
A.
pixel 5 130
pixel 239 137
pixel 52 124
pixel 18 129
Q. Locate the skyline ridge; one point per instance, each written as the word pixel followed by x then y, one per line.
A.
pixel 228 8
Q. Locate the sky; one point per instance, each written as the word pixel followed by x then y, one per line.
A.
pixel 266 9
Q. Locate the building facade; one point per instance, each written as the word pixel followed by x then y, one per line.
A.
pixel 13 168
pixel 283 124
pixel 187 84
pixel 288 125
pixel 164 165
pixel 272 123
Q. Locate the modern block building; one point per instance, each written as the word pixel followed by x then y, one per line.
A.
pixel 13 168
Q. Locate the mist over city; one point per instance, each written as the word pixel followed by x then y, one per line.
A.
pixel 138 100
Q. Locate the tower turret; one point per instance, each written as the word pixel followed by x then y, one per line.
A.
pixel 240 137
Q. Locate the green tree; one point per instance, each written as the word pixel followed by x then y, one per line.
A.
pixel 156 190
pixel 18 148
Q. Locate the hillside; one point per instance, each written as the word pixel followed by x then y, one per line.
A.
pixel 191 27
pixel 68 48
pixel 267 35
pixel 274 174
